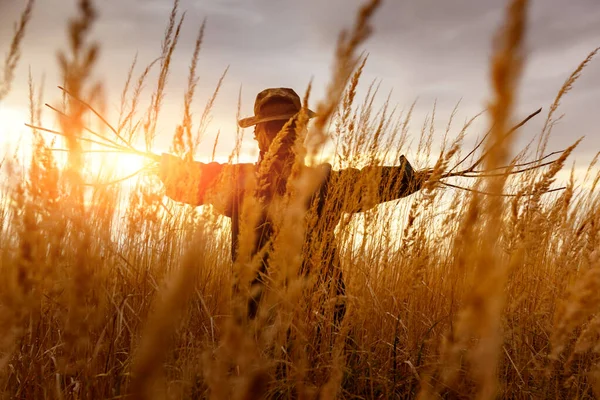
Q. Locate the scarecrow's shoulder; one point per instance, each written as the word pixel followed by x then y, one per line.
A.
pixel 324 168
pixel 230 170
pixel 322 173
pixel 232 181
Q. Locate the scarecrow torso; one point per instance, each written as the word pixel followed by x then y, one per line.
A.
pixel 321 213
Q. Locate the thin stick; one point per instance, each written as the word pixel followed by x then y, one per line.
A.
pixel 90 151
pixel 115 181
pixel 98 115
pixel 85 127
pixel 526 163
pixel 481 174
pixel 495 194
pixel 478 145
pixel 136 153
pixel 526 120
pixel 520 124
pixel 117 149
pixel 80 138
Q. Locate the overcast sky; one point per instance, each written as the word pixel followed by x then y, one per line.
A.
pixel 425 49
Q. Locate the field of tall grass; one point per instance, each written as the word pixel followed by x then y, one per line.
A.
pixel 484 284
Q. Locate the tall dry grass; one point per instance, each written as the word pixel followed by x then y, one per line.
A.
pixel 13 55
pixel 108 294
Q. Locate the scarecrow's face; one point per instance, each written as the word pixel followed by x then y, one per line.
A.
pixel 265 133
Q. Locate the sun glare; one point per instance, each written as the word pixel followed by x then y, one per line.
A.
pixel 109 166
pixel 11 125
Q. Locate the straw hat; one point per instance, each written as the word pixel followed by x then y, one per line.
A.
pixel 274 104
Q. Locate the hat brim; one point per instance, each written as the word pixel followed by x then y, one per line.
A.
pixel 250 121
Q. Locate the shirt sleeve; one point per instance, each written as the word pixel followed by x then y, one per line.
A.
pixel 198 183
pixel 188 182
pixel 361 190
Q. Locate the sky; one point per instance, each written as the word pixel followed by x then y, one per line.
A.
pixel 424 50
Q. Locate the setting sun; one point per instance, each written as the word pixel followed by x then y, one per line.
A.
pixel 103 167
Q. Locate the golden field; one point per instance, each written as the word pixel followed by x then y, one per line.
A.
pixel 489 292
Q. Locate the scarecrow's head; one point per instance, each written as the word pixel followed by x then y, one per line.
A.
pixel 274 108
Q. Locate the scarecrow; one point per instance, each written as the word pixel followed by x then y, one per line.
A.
pixel 332 194
pixel 336 192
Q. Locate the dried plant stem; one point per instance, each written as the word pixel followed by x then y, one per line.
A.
pixel 14 54
pixel 122 149
pixel 93 110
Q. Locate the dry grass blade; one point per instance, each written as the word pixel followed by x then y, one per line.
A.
pixel 169 44
pixel 182 141
pixel 480 318
pixel 158 334
pixel 345 62
pixel 566 87
pixel 14 53
pixel 205 118
pixel 126 120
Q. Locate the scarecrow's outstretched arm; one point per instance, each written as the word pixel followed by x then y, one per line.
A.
pixel 364 189
pixel 198 183
pixel 187 182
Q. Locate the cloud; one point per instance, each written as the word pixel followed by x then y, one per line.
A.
pixel 430 49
